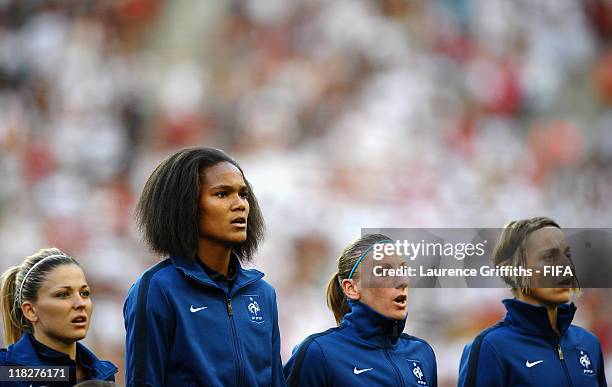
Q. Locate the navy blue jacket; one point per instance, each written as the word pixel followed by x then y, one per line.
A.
pixel 366 349
pixel 523 350
pixel 183 329
pixel 29 352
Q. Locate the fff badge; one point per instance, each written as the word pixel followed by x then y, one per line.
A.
pixel 417 372
pixel 585 362
pixel 253 306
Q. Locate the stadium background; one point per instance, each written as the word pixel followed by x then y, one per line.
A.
pixel 344 114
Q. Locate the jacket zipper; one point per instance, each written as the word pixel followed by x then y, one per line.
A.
pixel 398 374
pixel 230 313
pixel 563 364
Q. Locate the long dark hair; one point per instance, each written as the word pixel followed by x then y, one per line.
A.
pixel 168 210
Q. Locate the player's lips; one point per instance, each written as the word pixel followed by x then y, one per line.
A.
pixel 565 283
pixel 79 321
pixel 401 301
pixel 239 222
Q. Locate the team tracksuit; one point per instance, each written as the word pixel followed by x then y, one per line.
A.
pixel 28 352
pixel 524 350
pixel 366 349
pixel 186 329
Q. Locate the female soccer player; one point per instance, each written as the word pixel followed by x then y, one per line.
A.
pixel 198 317
pixel 368 347
pixel 535 345
pixel 46 309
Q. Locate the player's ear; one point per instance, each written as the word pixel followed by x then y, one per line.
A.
pixel 29 311
pixel 351 289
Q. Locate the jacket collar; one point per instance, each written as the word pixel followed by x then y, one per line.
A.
pixel 534 318
pixel 30 352
pixel 371 326
pixel 192 269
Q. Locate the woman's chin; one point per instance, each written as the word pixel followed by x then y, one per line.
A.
pixel 77 335
pixel 397 314
pixel 563 300
pixel 556 296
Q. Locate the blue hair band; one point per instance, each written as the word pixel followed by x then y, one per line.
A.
pixel 366 253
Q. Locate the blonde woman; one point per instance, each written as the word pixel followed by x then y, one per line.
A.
pixel 535 344
pixel 367 348
pixel 46 310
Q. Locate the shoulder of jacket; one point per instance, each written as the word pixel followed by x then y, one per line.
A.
pixel 265 287
pixel 492 335
pixel 107 366
pixel 152 281
pixel 20 353
pixel 405 336
pixel 158 268
pixel 581 333
pixel 260 284
pixel 157 272
pixel 316 358
pixel 318 338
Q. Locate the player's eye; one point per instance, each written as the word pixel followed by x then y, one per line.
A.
pixel 548 257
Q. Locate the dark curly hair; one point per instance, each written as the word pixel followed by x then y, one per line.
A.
pixel 168 210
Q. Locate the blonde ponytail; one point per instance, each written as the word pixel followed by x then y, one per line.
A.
pixel 12 316
pixel 348 263
pixel 336 300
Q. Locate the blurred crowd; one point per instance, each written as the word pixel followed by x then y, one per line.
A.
pixel 344 114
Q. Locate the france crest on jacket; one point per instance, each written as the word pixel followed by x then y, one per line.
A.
pixel 188 331
pixel 524 350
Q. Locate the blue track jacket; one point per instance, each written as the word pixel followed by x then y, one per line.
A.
pixel 366 349
pixel 523 350
pixel 184 330
pixel 27 352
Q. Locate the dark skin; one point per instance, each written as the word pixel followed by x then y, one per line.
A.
pixel 224 210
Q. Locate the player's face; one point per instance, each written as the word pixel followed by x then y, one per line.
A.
pixel 224 208
pixel 548 247
pixel 388 295
pixel 62 310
